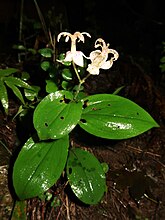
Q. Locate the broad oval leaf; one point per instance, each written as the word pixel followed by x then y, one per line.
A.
pixel 66 74
pixel 51 86
pixel 45 65
pixel 46 52
pixel 114 117
pixel 56 115
pixel 39 166
pixel 65 85
pixel 86 176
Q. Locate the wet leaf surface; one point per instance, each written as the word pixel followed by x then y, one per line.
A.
pixel 141 159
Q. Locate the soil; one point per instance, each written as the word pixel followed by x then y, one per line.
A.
pixel 136 176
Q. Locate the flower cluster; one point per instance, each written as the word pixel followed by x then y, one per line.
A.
pixel 99 58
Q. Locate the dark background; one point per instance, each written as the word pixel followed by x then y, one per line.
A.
pixel 135 28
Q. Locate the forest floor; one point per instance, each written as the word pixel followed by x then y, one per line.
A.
pixel 136 176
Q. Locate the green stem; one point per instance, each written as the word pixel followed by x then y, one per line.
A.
pixel 75 69
pixel 81 81
pixel 86 77
pixel 78 90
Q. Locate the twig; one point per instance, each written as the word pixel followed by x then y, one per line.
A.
pixel 59 213
pixel 53 44
pixel 5 147
pixel 67 208
pixel 42 20
pixel 21 27
pixel 138 150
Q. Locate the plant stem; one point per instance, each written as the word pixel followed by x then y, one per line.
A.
pixel 78 90
pixel 53 44
pixel 75 69
pixel 86 77
pixel 81 81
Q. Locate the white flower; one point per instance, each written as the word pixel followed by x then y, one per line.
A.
pixel 99 57
pixel 73 54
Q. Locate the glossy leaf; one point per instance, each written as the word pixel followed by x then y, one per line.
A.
pixel 61 60
pixel 45 65
pixel 65 85
pixel 114 117
pixel 17 82
pixel 56 115
pixel 86 176
pixel 16 91
pixel 39 166
pixel 4 96
pixel 66 74
pixel 46 52
pixel 7 72
pixel 51 86
pixel 32 94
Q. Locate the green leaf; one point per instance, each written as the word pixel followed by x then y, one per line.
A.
pixel 162 67
pixel 32 50
pixel 4 96
pixel 20 110
pixel 15 90
pixel 19 47
pixel 18 82
pixel 81 95
pixel 65 85
pixel 32 94
pixel 61 60
pixel 45 65
pixel 66 74
pixel 86 176
pixel 105 167
pixel 25 76
pixel 118 90
pixel 67 63
pixel 46 52
pixel 76 87
pixel 7 72
pixel 61 56
pixel 39 166
pixel 51 86
pixel 56 115
pixel 114 117
pixel 19 211
pixel 162 60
